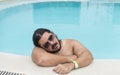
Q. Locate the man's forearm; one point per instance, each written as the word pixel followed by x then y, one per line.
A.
pixel 52 59
pixel 82 60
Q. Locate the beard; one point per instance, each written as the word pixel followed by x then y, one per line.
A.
pixel 55 50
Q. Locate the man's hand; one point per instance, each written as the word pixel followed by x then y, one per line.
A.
pixel 64 68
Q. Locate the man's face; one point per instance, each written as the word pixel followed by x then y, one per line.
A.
pixel 50 42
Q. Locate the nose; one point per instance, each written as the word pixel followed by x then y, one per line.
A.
pixel 51 42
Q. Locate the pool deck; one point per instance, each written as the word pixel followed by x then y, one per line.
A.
pixel 24 64
pixel 11 3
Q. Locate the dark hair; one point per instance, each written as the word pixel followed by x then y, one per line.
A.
pixel 38 34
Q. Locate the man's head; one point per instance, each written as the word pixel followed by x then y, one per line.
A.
pixel 47 40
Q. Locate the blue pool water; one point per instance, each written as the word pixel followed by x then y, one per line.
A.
pixel 95 25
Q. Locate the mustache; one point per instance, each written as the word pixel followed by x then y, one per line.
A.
pixel 54 45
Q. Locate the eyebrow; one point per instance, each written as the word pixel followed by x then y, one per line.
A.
pixel 50 37
pixel 47 41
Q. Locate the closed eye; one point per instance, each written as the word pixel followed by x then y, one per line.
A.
pixel 51 37
pixel 46 45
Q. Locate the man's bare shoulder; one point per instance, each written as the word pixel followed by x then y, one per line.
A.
pixel 70 40
pixel 38 50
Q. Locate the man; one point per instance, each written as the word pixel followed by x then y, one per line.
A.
pixel 66 55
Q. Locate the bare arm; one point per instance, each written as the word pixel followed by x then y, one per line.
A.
pixel 84 58
pixel 43 58
pixel 83 54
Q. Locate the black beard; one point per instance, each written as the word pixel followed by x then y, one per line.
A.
pixel 55 51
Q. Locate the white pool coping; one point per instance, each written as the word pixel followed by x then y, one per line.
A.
pixel 11 3
pixel 24 64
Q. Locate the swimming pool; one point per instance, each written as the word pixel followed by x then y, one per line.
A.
pixel 96 25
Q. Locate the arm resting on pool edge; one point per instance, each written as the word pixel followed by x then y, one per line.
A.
pixel 84 58
pixel 82 61
pixel 43 58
